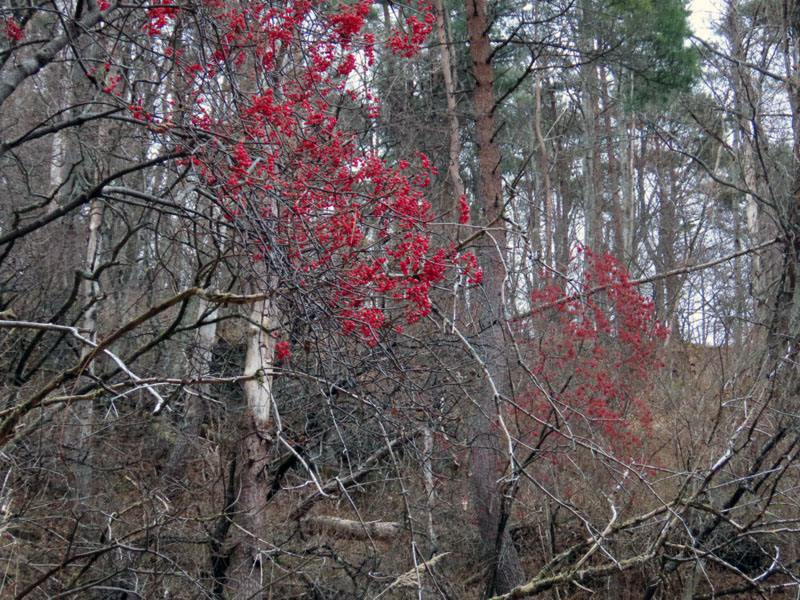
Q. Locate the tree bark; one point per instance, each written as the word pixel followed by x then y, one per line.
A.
pixel 353 530
pixel 751 151
pixel 454 129
pixel 487 463
pixel 83 412
pixel 592 188
pixel 544 168
pixel 254 443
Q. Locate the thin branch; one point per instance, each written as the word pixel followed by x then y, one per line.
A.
pixel 302 509
pixel 685 269
pixel 73 331
pixel 30 66
pixel 85 197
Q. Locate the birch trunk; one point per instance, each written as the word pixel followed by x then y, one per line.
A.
pixel 254 443
pixel 430 488
pixel 83 412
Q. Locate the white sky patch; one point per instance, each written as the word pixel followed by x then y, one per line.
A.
pixel 705 14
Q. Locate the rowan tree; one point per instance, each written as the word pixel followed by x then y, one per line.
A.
pixel 245 190
pixel 595 347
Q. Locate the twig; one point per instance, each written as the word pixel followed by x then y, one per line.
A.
pixel 74 332
pixel 658 277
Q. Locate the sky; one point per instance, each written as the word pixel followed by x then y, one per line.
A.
pixel 703 14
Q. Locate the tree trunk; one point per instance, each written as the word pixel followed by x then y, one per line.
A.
pixel 487 461
pixel 77 172
pixel 254 443
pixel 544 168
pixel 454 129
pixel 565 198
pixel 616 179
pixel 626 127
pixel 84 411
pixel 784 329
pixel 592 189
pixel 751 137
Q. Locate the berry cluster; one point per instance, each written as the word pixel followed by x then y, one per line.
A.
pixel 327 216
pixel 594 351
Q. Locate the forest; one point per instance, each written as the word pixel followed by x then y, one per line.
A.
pixel 383 299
